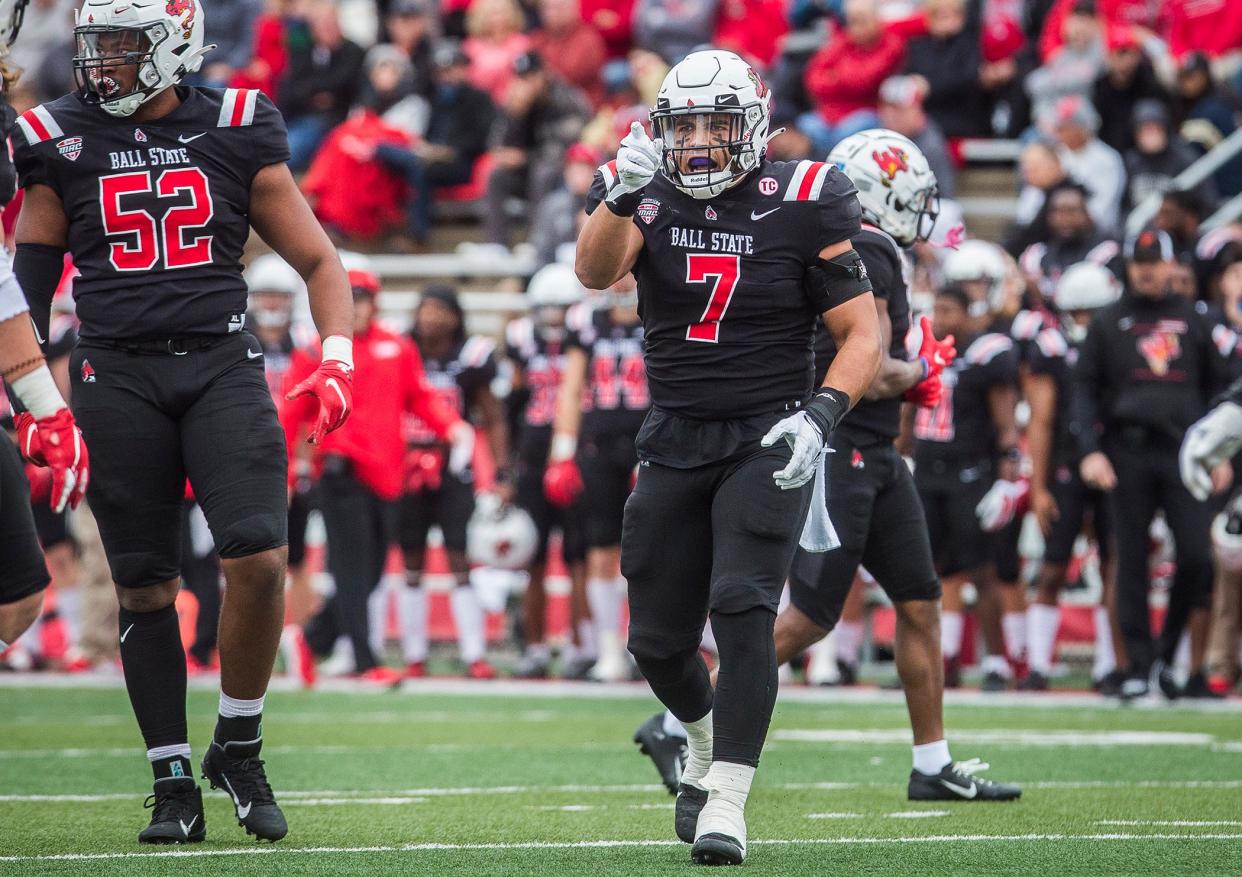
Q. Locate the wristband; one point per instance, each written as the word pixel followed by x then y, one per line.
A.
pixel 622 204
pixel 340 349
pixel 923 361
pixel 564 446
pixel 38 393
pixel 826 409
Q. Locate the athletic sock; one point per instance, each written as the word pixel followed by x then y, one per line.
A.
pixel 931 758
pixel 588 644
pixel 240 721
pixel 1105 660
pixel 468 617
pixel 153 661
pixel 673 726
pixel 412 610
pixel 699 743
pixel 1041 622
pixel 1013 628
pixel 996 664
pixel 601 597
pixel 747 684
pixel 950 633
pixel 849 642
pixel 377 622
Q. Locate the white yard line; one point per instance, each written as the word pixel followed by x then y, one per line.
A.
pixel 1069 739
pixel 1174 823
pixel 918 814
pixel 609 844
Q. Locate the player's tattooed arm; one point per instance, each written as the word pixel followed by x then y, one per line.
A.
pixel 281 216
pixel 608 247
pixel 895 375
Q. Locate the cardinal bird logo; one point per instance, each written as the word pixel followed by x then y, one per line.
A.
pixel 1159 349
pixel 185 8
pixel 761 90
pixel 88 372
pixel 891 162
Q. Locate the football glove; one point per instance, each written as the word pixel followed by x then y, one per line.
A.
pixel 461 447
pixel 562 483
pixel 807 434
pixel 638 160
pixel 925 394
pixel 332 383
pixel 1214 438
pixel 1002 504
pixel 56 442
pixel 935 355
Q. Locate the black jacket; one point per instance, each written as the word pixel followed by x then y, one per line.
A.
pixel 314 71
pixel 1116 105
pixel 956 101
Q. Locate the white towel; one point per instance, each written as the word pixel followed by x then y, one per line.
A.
pixel 818 534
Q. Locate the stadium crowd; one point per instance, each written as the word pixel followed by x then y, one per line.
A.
pixel 396 109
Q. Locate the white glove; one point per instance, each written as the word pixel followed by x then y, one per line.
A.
pixel 461 448
pixel 1000 504
pixel 808 446
pixel 638 160
pixel 1213 439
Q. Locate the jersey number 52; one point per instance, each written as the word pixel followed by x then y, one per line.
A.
pixel 142 238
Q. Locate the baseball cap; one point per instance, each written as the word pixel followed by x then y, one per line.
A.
pixel 1077 111
pixel 1002 38
pixel 364 282
pixel 1150 245
pixel 1120 36
pixel 1150 110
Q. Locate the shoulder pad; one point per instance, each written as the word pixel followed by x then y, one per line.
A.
pixel 807 181
pixel 987 347
pixel 1032 259
pixel 38 124
pixel 1026 325
pixel 237 107
pixel 476 351
pixel 578 317
pixel 1051 343
pixel 1103 252
pixel 520 334
pixel 1225 339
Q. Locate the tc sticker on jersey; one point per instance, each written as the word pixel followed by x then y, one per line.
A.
pixel 70 147
pixel 768 185
pixel 647 210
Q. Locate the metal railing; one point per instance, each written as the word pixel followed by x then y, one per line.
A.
pixel 1209 164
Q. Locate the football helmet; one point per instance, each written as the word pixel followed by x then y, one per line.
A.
pixel 162 39
pixel 270 273
pixel 896 186
pixel 500 536
pixel 716 94
pixel 554 286
pixel 11 14
pixel 1085 286
pixel 979 261
pixel 1227 536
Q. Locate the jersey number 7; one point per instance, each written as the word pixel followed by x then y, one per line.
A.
pixel 724 271
pixel 142 240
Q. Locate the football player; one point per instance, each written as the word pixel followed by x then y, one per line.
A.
pixel 153 187
pixel 1061 502
pixel 602 403
pixel 535 345
pixel 460 369
pixel 736 258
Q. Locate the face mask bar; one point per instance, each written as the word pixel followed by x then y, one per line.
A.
pixel 100 48
pixel 690 137
pixel 928 213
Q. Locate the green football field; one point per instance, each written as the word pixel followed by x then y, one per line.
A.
pixel 502 778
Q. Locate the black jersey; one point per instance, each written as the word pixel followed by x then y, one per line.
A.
pixel 469 366
pixel 958 433
pixel 1024 328
pixel 542 360
pixel 1053 355
pixel 728 317
pixel 1047 261
pixel 158 210
pixel 875 420
pixel 8 173
pixel 616 399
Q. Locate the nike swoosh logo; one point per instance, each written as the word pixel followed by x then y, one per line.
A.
pixel 184 139
pixel 126 633
pixel 331 382
pixel 754 217
pixel 959 791
pixel 186 828
pixel 242 812
pixel 250 354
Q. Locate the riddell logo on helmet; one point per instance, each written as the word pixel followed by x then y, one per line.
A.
pixel 88 372
pixel 891 161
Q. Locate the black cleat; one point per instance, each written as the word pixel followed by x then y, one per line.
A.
pixel 690 801
pixel 1197 688
pixel 717 849
pixel 1134 687
pixel 993 681
pixel 957 782
pixel 1109 685
pixel 1034 681
pixel 1167 681
pixel 237 769
pixel 178 813
pixel 667 752
pixel 848 673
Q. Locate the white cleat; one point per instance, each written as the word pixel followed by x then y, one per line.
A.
pixel 720 837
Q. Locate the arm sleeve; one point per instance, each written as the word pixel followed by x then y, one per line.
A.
pixel 595 195
pixel 39 268
pixel 8 173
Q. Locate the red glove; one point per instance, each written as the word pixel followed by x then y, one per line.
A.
pixel 40 483
pixel 935 355
pixel 333 385
pixel 925 394
pixel 56 442
pixel 423 467
pixel 562 483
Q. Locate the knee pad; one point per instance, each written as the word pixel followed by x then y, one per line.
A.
pixel 655 647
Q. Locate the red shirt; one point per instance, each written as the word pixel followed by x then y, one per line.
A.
pixel 752 28
pixel 1213 27
pixel 576 56
pixel 844 77
pixel 388 382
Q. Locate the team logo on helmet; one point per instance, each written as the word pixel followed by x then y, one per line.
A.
pixel 761 90
pixel 88 372
pixel 1159 349
pixel 70 147
pixel 891 161
pixel 187 10
pixel 647 210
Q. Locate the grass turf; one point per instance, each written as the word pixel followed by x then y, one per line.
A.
pixel 446 784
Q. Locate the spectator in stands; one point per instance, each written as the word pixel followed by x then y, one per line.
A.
pixel 1074 122
pixel 1158 155
pixel 555 224
pixel 1206 117
pixel 1041 169
pixel 409 25
pixel 456 136
pixel 541 116
pixel 949 59
pixel 1073 68
pixel 495 42
pixel 901 110
pixel 1128 78
pixel 1180 214
pixel 1003 73
pixel 614 21
pixel 1143 14
pixel 752 28
pixel 389 90
pixel 570 47
pixel 269 54
pixel 1072 237
pixel 674 28
pixel 843 78
pixel 323 80
pixel 232 30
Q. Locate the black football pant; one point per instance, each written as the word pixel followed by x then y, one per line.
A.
pixel 1147 480
pixel 359 527
pixel 22 569
pixel 715 539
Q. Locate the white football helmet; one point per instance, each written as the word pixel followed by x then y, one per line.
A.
pixel 979 261
pixel 499 535
pixel 695 95
pixel 270 273
pixel 554 286
pixel 896 186
pixel 1086 286
pixel 1227 536
pixel 163 39
pixel 11 14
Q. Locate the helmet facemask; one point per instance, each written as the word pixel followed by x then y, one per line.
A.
pixel 103 50
pixel 707 149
